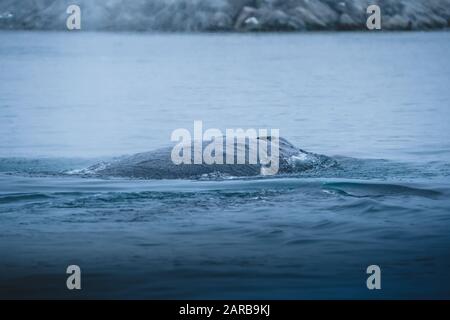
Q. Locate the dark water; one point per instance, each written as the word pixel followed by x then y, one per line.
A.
pixel 378 104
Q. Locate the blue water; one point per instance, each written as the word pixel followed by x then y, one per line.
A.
pixel 379 104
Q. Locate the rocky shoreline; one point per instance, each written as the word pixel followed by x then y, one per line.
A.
pixel 225 15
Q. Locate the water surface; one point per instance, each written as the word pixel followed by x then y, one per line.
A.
pixel 378 103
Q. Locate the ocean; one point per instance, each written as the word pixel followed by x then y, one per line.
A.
pixel 377 103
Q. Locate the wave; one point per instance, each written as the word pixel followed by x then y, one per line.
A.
pixel 77 192
pixel 20 197
pixel 366 189
pixel 315 167
pixel 42 166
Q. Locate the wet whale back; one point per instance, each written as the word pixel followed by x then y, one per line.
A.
pixel 158 164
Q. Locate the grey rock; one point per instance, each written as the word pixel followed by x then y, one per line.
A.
pixel 397 22
pixel 225 15
pixel 346 22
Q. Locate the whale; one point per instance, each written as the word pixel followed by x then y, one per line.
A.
pixel 158 164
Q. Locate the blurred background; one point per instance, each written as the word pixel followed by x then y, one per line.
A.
pixel 224 15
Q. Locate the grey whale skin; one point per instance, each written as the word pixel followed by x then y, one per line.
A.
pixel 158 164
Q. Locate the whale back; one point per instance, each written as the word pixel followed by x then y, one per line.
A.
pixel 158 164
